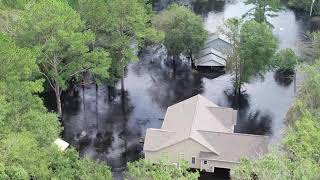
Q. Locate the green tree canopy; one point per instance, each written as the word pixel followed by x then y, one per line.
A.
pixel 121 28
pixel 254 47
pixel 144 169
pixel 184 30
pixel 54 29
pixel 286 60
pixel 27 130
pixel 22 110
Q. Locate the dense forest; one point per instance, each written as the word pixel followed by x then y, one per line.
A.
pixel 50 45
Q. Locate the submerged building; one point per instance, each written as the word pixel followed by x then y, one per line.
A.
pixel 214 54
pixel 202 133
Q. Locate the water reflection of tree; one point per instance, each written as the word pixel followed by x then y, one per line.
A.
pixel 159 5
pixel 170 87
pixel 249 122
pixel 115 139
pixel 257 123
pixel 204 7
pixel 97 125
pixel 283 78
pixel 200 7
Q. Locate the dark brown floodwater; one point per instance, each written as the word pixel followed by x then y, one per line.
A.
pixel 106 125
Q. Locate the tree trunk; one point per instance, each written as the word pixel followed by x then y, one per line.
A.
pixel 122 84
pixel 59 105
pixel 174 66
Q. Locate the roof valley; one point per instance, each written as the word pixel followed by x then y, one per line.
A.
pixel 194 116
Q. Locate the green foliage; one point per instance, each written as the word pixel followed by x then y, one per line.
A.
pixel 311 49
pixel 54 29
pixel 254 47
pixel 16 4
pixel 257 48
pixel 184 30
pixel 67 165
pixel 22 157
pixel 89 169
pixel 309 93
pixel 272 166
pixel 286 60
pixel 27 130
pixel 22 111
pixel 22 149
pixel 304 144
pixel 263 9
pixel 121 27
pixel 145 170
pixel 305 5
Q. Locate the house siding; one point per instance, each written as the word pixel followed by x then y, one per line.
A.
pixel 189 148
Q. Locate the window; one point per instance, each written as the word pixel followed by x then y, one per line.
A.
pixel 181 156
pixel 165 155
pixel 205 162
pixel 193 160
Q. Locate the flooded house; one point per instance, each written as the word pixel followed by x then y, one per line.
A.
pixel 214 54
pixel 202 133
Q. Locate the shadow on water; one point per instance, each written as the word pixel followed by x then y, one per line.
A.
pixel 248 121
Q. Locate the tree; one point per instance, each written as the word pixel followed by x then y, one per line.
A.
pixel 285 60
pixel 54 29
pixel 68 165
pixel 144 169
pixel 272 166
pixel 22 156
pixel 121 28
pixel 311 48
pixel 21 109
pixel 310 6
pixel 17 4
pixel 254 47
pixel 263 9
pixel 184 30
pixel 9 11
pixel 27 130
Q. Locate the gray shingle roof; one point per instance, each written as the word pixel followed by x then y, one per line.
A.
pixel 210 125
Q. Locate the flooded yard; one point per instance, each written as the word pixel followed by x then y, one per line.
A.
pixel 105 124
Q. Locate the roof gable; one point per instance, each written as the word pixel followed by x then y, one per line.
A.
pixel 182 121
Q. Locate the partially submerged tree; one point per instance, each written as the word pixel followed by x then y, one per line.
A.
pixel 253 49
pixel 54 29
pixel 121 28
pixel 310 6
pixel 263 9
pixel 285 60
pixel 144 169
pixel 184 30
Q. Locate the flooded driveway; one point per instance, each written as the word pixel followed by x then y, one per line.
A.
pixel 105 124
